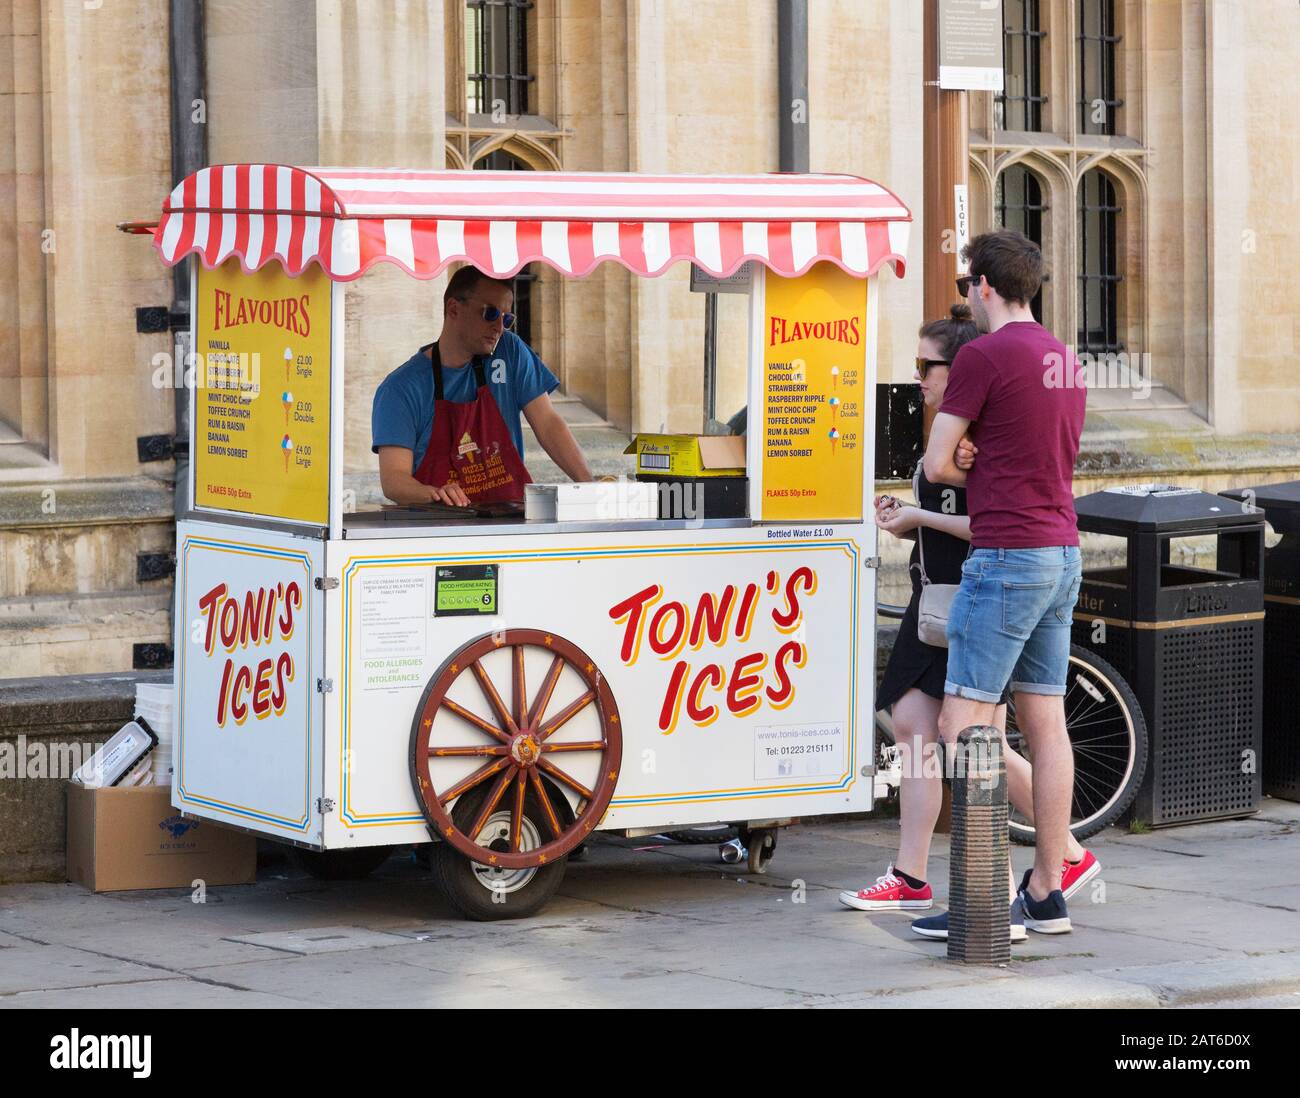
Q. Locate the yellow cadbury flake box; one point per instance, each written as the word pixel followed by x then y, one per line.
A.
pixel 689 455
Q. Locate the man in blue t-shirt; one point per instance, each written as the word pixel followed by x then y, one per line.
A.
pixel 474 338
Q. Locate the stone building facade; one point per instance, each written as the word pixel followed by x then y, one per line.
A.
pixel 1148 143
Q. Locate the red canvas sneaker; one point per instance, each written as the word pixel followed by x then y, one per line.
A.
pixel 889 893
pixel 1074 877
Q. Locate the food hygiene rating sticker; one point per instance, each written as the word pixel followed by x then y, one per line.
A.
pixel 461 589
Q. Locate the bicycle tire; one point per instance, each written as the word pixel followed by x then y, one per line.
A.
pixel 1087 815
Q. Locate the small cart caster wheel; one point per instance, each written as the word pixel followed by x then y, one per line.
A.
pixel 762 845
pixel 580 852
pixel 484 892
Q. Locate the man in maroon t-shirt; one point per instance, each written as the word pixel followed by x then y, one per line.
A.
pixel 1020 395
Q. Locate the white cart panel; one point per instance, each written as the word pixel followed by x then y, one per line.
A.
pixel 250 630
pixel 767 716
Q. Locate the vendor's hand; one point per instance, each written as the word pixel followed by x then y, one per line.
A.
pixel 450 493
pixel 966 451
pixel 901 520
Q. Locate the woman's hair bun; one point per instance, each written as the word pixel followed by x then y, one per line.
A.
pixel 961 312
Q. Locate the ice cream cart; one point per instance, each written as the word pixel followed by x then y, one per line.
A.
pixel 502 688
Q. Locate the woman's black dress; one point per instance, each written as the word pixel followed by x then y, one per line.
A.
pixel 912 663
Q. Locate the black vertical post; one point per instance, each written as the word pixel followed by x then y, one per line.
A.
pixel 979 930
pixel 792 83
pixel 187 51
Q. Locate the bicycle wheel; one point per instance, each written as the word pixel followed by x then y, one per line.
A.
pixel 1109 736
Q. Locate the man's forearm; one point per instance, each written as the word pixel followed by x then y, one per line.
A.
pixel 948 473
pixel 558 442
pixel 407 490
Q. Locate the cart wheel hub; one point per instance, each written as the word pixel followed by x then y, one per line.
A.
pixel 525 750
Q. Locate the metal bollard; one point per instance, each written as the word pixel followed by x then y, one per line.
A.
pixel 978 919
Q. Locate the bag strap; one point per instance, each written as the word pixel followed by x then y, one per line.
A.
pixel 920 530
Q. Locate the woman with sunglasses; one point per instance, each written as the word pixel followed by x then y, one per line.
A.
pixel 446 423
pixel 912 688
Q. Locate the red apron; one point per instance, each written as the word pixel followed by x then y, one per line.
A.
pixel 470 444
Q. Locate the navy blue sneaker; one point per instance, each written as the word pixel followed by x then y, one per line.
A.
pixel 1048 916
pixel 936 926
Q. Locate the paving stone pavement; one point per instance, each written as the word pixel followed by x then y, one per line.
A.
pixel 1188 916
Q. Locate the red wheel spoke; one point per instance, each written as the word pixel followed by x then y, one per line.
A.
pixel 548 809
pixel 477 778
pixel 517 812
pixel 547 688
pixel 520 691
pixel 560 776
pixel 489 806
pixel 494 699
pixel 474 719
pixel 450 752
pixel 510 764
pixel 566 714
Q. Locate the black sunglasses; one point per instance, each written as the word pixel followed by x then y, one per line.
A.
pixel 923 365
pixel 964 283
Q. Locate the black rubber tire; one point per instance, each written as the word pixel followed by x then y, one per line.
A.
pixel 704 836
pixel 456 877
pixel 351 864
pixel 1023 833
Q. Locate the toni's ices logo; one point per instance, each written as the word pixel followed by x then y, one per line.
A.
pixel 258 619
pixel 783 330
pixel 741 685
pixel 289 313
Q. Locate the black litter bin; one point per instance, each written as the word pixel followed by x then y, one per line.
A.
pixel 1188 640
pixel 1281 763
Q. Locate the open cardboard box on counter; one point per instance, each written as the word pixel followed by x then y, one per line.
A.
pixel 127 837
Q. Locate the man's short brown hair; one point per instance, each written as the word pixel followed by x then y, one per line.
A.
pixel 464 282
pixel 1010 261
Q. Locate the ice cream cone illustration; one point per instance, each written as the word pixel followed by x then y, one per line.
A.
pixel 288 363
pixel 286 398
pixel 834 437
pixel 835 404
pixel 286 445
pixel 835 375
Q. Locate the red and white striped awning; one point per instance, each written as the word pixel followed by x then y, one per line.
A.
pixel 348 219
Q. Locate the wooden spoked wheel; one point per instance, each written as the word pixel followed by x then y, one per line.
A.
pixel 521 742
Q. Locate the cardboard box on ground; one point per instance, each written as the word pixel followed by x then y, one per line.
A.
pixel 128 837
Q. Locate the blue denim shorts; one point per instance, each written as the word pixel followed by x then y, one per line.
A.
pixel 1010 622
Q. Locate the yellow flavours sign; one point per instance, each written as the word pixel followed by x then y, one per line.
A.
pixel 813 379
pixel 262 402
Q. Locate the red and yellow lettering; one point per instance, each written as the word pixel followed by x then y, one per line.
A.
pixel 791 653
pixel 667 647
pixel 283 675
pixel 713 616
pixel 262 689
pixel 242 684
pixel 745 618
pixel 228 627
pixel 672 705
pixel 743 692
pixel 208 608
pixel 292 600
pixel 787 620
pixel 250 625
pixel 632 610
pixel 704 715
pixel 223 693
